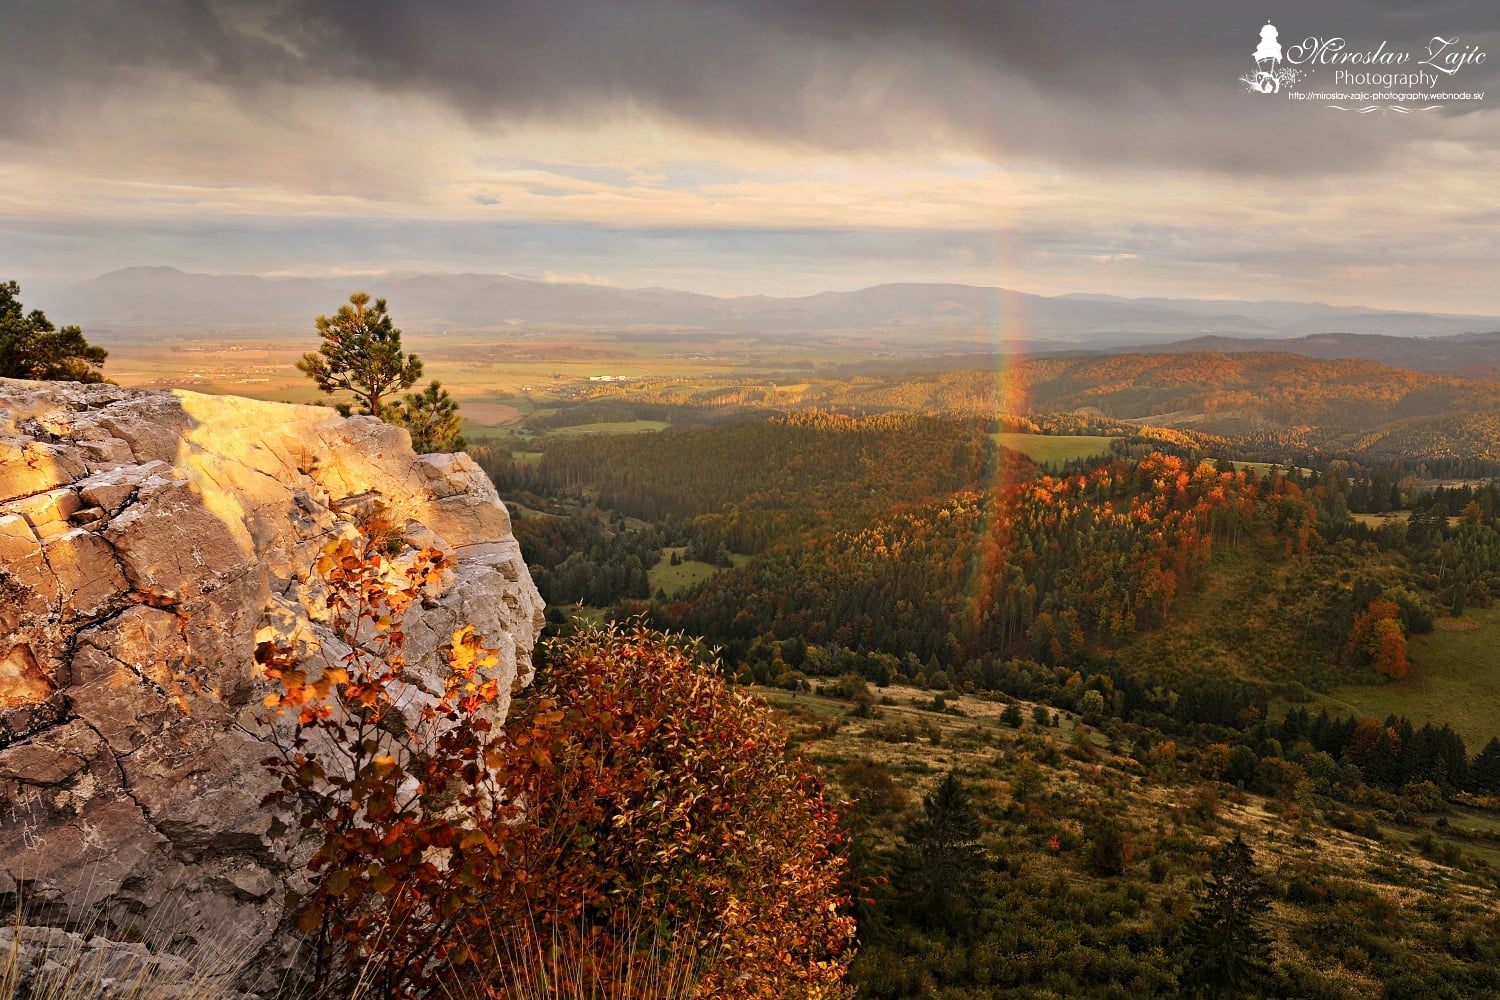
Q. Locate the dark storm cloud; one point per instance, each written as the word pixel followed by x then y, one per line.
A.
pixel 1098 82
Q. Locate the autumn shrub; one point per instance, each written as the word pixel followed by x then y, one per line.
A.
pixel 634 821
pixel 665 794
pixel 387 778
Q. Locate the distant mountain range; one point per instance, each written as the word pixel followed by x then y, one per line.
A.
pixel 166 297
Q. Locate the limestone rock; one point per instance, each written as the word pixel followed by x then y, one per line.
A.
pixel 148 541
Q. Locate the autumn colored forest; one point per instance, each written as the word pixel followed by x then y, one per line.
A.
pixel 1164 675
pixel 1058 690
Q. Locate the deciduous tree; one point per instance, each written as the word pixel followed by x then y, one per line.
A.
pixel 1377 638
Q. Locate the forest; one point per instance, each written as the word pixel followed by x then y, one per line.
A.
pixel 1188 612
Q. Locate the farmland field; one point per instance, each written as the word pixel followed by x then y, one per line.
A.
pixel 498 380
pixel 613 427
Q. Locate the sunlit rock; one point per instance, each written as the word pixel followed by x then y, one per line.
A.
pixel 148 541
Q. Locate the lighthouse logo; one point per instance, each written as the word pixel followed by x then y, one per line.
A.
pixel 1269 76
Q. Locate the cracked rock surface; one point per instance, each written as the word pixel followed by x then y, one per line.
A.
pixel 148 541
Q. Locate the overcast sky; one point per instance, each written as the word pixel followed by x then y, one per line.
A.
pixel 781 146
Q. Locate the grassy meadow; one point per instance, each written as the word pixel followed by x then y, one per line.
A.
pixel 1398 516
pixel 675 579
pixel 1454 678
pixel 1053 450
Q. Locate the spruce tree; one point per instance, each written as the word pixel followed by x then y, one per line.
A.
pixel 942 858
pixel 1484 773
pixel 1228 954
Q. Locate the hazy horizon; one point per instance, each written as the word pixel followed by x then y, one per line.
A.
pixel 353 277
pixel 731 148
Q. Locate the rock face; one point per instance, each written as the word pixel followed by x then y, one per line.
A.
pixel 148 541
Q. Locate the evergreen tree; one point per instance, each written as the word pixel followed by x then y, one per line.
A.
pixel 361 353
pixel 1228 955
pixel 1484 773
pixel 432 417
pixel 942 857
pixel 32 348
pixel 1108 850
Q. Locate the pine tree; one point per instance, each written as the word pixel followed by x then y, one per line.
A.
pixel 1228 954
pixel 432 417
pixel 32 348
pixel 361 353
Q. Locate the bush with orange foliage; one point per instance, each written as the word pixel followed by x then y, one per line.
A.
pixel 634 812
pixel 383 776
pixel 664 792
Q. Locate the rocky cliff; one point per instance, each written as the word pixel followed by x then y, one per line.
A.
pixel 148 541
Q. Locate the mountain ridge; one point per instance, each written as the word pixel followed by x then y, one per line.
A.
pixel 168 297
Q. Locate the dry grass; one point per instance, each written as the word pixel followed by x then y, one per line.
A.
pixel 545 960
pixel 47 963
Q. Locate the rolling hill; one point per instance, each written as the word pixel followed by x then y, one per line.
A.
pixel 1362 408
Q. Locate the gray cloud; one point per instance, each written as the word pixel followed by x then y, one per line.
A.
pixel 51 248
pixel 1094 82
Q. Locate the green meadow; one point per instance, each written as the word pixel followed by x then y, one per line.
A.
pixel 688 573
pixel 1054 450
pixel 1454 678
pixel 675 579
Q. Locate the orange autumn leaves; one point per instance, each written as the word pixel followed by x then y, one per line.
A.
pixel 632 810
pixel 1379 640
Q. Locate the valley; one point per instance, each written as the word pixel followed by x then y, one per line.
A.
pixel 1133 605
pixel 717 500
pixel 1127 642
